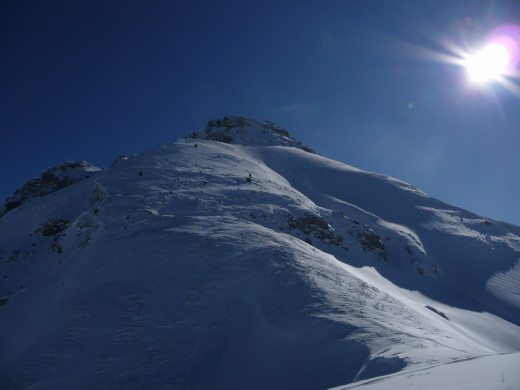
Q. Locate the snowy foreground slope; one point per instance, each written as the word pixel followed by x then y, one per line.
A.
pixel 237 258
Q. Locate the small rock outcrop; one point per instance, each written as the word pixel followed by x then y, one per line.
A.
pixel 118 160
pixel 52 179
pixel 248 131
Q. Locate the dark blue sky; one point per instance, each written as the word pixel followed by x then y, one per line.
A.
pixel 93 79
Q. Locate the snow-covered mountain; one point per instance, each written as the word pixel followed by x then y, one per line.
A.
pixel 238 258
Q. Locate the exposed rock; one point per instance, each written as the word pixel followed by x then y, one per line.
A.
pixel 53 226
pixel 437 312
pixel 97 194
pixel 317 226
pixel 29 190
pixel 118 160
pixel 53 179
pixel 370 241
pixel 248 131
pixel 424 269
pixel 308 223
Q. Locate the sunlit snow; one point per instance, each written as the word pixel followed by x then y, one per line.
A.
pixel 253 263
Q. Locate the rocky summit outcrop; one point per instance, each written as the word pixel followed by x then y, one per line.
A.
pixel 52 179
pixel 248 131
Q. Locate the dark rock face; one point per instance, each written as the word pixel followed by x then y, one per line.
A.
pixel 53 226
pixel 437 312
pixel 370 241
pixel 52 179
pixel 317 226
pixel 308 223
pixel 28 191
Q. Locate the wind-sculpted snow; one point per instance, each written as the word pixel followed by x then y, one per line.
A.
pixel 207 264
pixel 506 285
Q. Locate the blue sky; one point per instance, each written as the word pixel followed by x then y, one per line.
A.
pixel 90 80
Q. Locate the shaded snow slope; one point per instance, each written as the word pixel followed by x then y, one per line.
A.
pixel 204 264
pixel 461 248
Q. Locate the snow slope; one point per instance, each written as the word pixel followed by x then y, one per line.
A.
pixel 487 372
pixel 243 263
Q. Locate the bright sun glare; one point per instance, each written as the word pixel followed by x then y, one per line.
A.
pixel 497 61
pixel 488 64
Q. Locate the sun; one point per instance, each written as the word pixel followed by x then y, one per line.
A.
pixel 488 64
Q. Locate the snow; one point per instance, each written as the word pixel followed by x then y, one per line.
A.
pixel 248 264
pixel 486 372
pixel 506 285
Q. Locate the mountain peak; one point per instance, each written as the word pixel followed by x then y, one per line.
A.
pixel 248 131
pixel 231 267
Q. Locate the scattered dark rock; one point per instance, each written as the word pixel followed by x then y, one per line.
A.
pixel 370 241
pixel 233 128
pixel 56 245
pixel 308 223
pixel 281 131
pixel 98 194
pixel 423 269
pixel 53 226
pixel 118 159
pixel 52 180
pixel 437 312
pixel 312 224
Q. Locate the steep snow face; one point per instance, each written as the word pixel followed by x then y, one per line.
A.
pixel 53 179
pixel 248 131
pixel 205 264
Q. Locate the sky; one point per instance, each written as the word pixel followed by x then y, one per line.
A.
pixel 373 84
